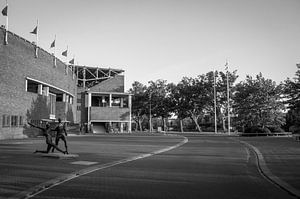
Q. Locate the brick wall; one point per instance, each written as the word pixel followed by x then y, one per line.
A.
pixel 17 61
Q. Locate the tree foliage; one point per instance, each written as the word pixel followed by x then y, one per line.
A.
pixel 139 101
pixel 292 95
pixel 257 102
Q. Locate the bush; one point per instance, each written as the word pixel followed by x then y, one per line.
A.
pixel 256 130
pixel 276 129
pixel 208 129
pixel 295 129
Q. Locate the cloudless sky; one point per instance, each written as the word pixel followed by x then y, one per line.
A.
pixel 167 39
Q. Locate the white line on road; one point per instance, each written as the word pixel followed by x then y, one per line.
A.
pixel 86 163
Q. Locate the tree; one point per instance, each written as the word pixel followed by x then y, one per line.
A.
pixel 139 102
pixel 194 97
pixel 292 96
pixel 177 103
pixel 257 102
pixel 158 93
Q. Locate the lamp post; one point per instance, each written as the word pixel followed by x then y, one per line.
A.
pixel 150 120
pixel 228 96
pixel 215 102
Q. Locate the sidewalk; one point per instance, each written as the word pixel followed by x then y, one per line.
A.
pixel 282 157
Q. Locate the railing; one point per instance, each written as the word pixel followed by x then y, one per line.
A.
pixel 289 134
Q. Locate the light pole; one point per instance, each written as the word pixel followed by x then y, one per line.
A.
pixel 150 122
pixel 215 102
pixel 228 97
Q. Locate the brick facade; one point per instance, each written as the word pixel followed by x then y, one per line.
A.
pixel 18 62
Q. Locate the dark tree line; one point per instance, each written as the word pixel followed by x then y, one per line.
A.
pixel 256 102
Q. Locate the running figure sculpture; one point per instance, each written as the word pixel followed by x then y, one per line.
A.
pixel 61 133
pixel 46 133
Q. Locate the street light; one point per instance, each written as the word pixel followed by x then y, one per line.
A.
pixel 150 122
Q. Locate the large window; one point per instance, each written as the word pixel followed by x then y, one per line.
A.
pixel 14 121
pixel 59 97
pixel 52 103
pixel 21 122
pixel 5 120
pixel 101 101
pixel 32 86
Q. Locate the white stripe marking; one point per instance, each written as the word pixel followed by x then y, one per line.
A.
pixel 87 163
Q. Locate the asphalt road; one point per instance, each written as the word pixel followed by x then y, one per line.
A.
pixel 122 166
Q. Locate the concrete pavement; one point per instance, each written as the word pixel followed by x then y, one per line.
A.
pixel 205 167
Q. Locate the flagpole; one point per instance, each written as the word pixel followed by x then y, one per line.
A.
pixel 73 67
pixel 55 50
pixel 215 102
pixel 37 38
pixel 6 27
pixel 228 100
pixel 67 61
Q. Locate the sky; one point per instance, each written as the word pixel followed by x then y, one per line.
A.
pixel 167 39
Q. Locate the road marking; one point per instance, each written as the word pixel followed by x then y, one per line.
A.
pixel 265 171
pixel 86 163
pixel 57 181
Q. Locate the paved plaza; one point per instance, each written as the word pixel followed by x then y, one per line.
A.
pixel 153 166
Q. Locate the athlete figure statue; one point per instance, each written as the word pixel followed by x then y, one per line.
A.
pixel 46 133
pixel 61 133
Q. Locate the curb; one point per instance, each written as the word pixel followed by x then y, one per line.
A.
pixel 265 172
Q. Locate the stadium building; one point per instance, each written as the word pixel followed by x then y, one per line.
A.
pixel 38 88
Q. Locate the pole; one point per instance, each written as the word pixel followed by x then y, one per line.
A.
pixel 228 103
pixel 6 27
pixel 54 50
pixel 73 67
pixel 150 117
pixel 37 38
pixel 67 66
pixel 215 102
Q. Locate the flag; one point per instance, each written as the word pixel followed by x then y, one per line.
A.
pixel 65 53
pixel 226 65
pixel 34 31
pixel 4 11
pixel 71 61
pixel 52 44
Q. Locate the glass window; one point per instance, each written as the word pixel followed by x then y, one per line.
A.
pixel 21 123
pixel 32 86
pixel 5 121
pixel 59 97
pixel 14 120
pixel 71 100
pixel 53 99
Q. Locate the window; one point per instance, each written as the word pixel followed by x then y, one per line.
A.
pixel 59 97
pixel 14 121
pixel 78 108
pixel 52 103
pixel 32 86
pixel 5 121
pixel 21 123
pixel 70 99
